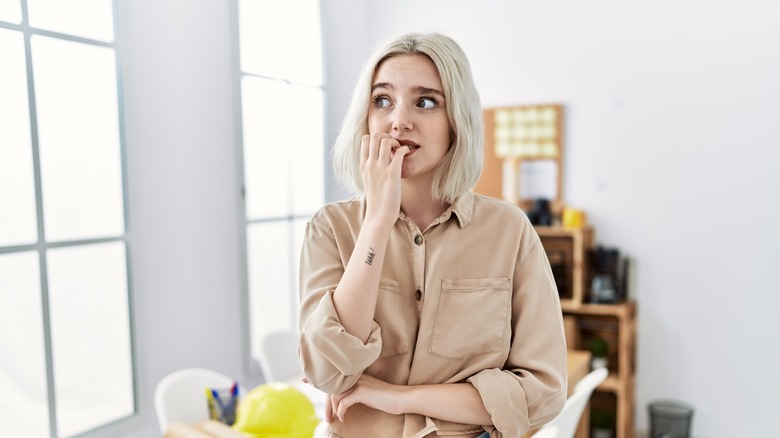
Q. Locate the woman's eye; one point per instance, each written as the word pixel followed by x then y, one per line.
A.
pixel 381 102
pixel 427 103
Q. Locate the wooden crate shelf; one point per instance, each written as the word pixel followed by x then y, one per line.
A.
pixel 568 249
pixel 617 322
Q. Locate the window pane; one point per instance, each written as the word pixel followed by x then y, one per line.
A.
pixel 304 36
pixel 281 39
pixel 10 11
pixel 90 335
pixel 307 149
pixel 267 139
pixel 270 279
pixel 261 27
pixel 85 18
pixel 23 404
pixel 17 189
pixel 283 148
pixel 76 98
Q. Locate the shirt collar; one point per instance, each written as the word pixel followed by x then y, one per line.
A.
pixel 463 207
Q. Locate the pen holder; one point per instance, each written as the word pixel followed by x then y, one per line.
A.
pixel 222 404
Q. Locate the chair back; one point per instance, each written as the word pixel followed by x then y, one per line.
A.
pixel 565 424
pixel 279 357
pixel 180 396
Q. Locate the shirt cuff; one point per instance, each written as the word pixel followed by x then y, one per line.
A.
pixel 347 353
pixel 504 399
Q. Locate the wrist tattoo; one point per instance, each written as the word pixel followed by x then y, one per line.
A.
pixel 370 256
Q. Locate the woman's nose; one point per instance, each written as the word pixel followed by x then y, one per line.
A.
pixel 402 120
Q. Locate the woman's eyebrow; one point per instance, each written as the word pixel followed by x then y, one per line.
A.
pixel 426 90
pixel 418 89
pixel 387 85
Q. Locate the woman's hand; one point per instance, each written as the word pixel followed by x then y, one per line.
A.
pixel 369 391
pixel 458 402
pixel 381 157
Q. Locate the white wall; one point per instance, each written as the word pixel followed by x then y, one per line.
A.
pixel 183 194
pixel 672 136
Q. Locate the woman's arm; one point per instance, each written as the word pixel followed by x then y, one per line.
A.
pixel 457 402
pixel 339 338
pixel 355 296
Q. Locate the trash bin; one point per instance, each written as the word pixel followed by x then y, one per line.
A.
pixel 670 419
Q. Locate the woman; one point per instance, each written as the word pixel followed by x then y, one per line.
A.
pixel 426 309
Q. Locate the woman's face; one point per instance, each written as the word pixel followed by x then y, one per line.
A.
pixel 407 102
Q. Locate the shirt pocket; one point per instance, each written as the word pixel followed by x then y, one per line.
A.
pixel 389 315
pixel 471 317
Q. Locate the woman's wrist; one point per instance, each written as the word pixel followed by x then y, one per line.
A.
pixel 405 401
pixel 379 223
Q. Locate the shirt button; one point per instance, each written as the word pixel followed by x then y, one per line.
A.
pixel 418 240
pixel 418 294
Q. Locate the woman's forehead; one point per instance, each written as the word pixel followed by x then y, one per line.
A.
pixel 415 71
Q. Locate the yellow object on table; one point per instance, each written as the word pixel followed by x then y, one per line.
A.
pixel 573 218
pixel 276 410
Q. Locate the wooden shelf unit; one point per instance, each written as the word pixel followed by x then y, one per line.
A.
pixel 568 251
pixel 622 352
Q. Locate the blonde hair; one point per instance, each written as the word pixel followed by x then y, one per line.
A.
pixel 461 167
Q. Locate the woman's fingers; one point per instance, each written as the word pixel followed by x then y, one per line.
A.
pixel 364 148
pixel 335 405
pixel 381 176
pixel 377 147
pixel 398 157
pixel 343 405
pixel 386 147
pixel 329 410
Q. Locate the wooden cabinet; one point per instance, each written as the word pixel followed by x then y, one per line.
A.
pixel 568 251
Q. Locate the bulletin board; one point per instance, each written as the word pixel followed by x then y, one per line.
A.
pixel 528 139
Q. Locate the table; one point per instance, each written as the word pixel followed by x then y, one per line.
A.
pixel 578 366
pixel 204 429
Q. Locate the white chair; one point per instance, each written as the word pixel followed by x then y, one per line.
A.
pixel 280 363
pixel 279 357
pixel 565 424
pixel 180 396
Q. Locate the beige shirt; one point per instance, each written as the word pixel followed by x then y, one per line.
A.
pixel 469 299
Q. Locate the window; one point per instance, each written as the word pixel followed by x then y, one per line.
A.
pixel 283 151
pixel 66 363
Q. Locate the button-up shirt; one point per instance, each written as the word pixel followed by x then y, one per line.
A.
pixel 471 298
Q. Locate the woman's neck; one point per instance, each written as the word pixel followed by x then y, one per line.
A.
pixel 418 204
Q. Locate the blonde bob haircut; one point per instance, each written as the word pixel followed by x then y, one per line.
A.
pixel 461 167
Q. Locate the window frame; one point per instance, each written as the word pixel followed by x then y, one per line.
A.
pixel 251 364
pixel 41 246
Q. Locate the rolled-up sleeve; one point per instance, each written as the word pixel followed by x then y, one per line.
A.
pixel 530 390
pixel 332 359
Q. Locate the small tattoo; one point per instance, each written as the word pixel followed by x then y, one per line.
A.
pixel 370 256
